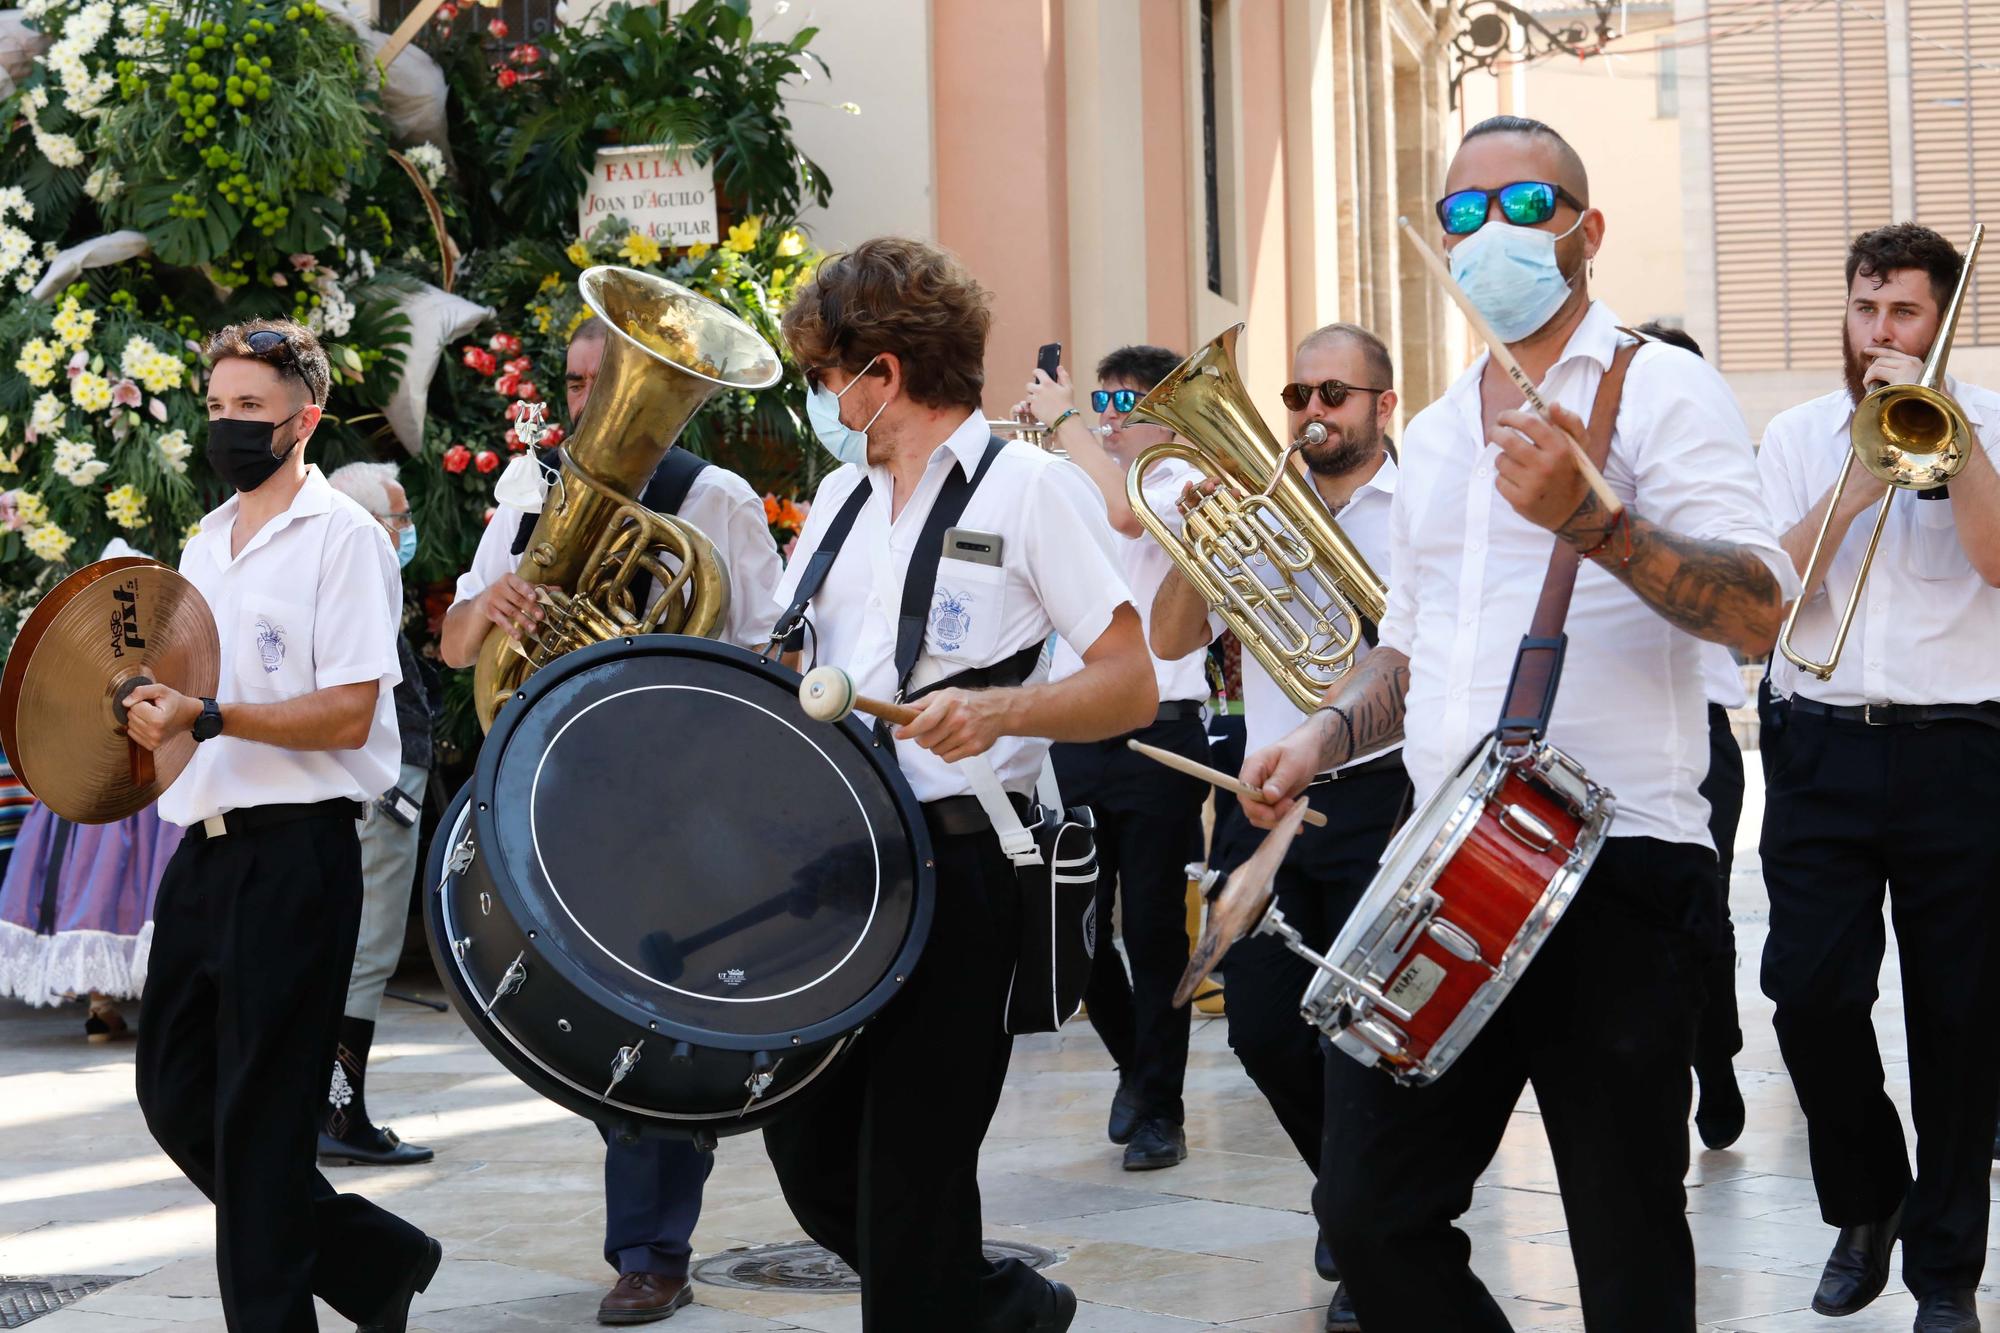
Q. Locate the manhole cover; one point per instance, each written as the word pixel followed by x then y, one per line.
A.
pixel 800 1266
pixel 26 1299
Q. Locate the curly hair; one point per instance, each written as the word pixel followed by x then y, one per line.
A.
pixel 1878 253
pixel 899 296
pixel 1140 364
pixel 307 360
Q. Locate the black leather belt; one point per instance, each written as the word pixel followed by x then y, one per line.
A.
pixel 1178 710
pixel 956 816
pixel 1899 715
pixel 1379 764
pixel 255 817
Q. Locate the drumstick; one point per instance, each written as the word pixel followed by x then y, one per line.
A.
pixel 1213 776
pixel 827 694
pixel 1435 262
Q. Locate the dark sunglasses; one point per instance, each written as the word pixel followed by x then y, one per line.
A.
pixel 1121 399
pixel 1524 203
pixel 275 350
pixel 1331 392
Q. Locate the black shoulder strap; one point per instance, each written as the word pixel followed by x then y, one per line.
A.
pixel 789 632
pixel 671 481
pixel 920 579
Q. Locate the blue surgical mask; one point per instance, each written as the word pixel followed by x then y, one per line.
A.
pixel 844 442
pixel 406 545
pixel 1512 276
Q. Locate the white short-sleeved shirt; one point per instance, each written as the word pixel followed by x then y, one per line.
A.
pixel 1924 629
pixel 1721 677
pixel 1146 564
pixel 1059 572
pixel 1465 572
pixel 729 514
pixel 313 600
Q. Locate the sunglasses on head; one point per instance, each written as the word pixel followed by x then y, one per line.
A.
pixel 1123 400
pixel 275 350
pixel 1523 203
pixel 1331 392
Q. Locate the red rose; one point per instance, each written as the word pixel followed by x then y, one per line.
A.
pixel 506 384
pixel 508 78
pixel 486 460
pixel 528 393
pixel 527 53
pixel 498 27
pixel 515 444
pixel 556 435
pixel 514 410
pixel 445 15
pixel 455 459
pixel 520 365
pixel 479 359
pixel 487 517
pixel 505 343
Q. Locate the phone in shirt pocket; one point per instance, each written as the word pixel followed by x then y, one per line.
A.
pixel 274 647
pixel 970 600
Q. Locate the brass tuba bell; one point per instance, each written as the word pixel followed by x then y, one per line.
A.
pixel 666 350
pixel 1301 616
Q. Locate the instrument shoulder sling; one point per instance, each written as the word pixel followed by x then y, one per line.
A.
pixel 666 490
pixel 1538 662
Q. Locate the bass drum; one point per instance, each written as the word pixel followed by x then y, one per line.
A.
pixel 668 900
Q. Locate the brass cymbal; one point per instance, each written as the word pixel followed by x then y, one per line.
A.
pixel 103 630
pixel 1241 905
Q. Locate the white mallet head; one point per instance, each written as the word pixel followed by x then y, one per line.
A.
pixel 827 694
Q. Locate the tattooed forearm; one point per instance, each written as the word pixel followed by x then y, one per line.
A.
pixel 1714 590
pixel 1372 696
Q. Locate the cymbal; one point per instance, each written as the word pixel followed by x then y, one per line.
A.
pixel 103 630
pixel 1241 905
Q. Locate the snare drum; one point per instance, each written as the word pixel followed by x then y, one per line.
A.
pixel 1467 894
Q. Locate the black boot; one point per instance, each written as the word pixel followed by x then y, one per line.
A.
pixel 1718 1118
pixel 1858 1268
pixel 1947 1312
pixel 348 1138
pixel 1340 1316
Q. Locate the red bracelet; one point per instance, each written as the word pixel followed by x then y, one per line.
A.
pixel 1622 521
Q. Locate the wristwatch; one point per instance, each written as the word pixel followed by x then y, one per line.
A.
pixel 209 725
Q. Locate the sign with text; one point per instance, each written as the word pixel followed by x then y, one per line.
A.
pixel 661 190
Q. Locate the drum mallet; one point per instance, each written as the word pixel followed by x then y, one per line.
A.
pixel 827 694
pixel 1213 776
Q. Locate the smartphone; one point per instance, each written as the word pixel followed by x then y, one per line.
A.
pixel 1049 359
pixel 980 548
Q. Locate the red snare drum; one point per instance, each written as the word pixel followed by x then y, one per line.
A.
pixel 1467 893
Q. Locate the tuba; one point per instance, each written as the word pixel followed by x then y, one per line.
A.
pixel 1262 550
pixel 1912 436
pixel 594 546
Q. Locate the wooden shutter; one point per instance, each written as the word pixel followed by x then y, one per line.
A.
pixel 1955 122
pixel 1800 100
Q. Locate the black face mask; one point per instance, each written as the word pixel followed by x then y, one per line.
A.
pixel 240 451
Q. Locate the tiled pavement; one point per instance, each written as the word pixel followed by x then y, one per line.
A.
pixel 1223 1241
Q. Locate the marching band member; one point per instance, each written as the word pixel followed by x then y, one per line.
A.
pixel 652 1188
pixel 880 1164
pixel 1148 816
pixel 1603 1023
pixel 1342 377
pixel 1910 701
pixel 258 911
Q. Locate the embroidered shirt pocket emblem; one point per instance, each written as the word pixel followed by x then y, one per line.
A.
pixel 270 645
pixel 951 619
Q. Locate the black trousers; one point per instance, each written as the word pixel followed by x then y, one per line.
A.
pixel 1603 1026
pixel 1719 1033
pixel 652 1200
pixel 1852 808
pixel 1148 829
pixel 1321 879
pixel 881 1162
pixel 253 939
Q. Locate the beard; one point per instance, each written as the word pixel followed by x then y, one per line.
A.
pixel 1343 452
pixel 1851 367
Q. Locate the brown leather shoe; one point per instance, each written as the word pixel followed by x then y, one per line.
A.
pixel 644 1298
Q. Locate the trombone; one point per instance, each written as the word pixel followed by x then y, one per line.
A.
pixel 1034 432
pixel 1911 436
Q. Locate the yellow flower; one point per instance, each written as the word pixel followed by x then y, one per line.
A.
pixel 790 244
pixel 30 507
pixel 38 362
pixel 73 324
pixel 126 506
pixel 576 322
pixel 744 235
pixel 699 250
pixel 193 531
pixel 578 254
pixel 91 392
pixel 640 249
pixel 550 282
pixel 545 317
pixel 49 542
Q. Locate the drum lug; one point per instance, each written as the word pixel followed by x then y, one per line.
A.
pixel 763 1069
pixel 462 855
pixel 1526 829
pixel 1454 941
pixel 460 946
pixel 622 1064
pixel 485 904
pixel 680 1053
pixel 510 981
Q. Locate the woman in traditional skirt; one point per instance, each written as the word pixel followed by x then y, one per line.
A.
pixel 76 912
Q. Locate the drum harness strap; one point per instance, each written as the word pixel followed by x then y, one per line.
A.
pixel 666 490
pixel 1538 662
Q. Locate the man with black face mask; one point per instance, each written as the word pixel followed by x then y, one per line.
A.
pixel 258 911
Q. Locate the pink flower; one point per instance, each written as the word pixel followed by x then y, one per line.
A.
pixel 305 263
pixel 9 514
pixel 78 363
pixel 157 410
pixel 126 394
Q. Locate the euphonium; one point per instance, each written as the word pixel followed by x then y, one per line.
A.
pixel 1262 550
pixel 1912 436
pixel 594 545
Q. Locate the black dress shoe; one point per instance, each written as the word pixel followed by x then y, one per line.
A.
pixel 369 1146
pixel 1858 1268
pixel 1947 1312
pixel 394 1316
pixel 1061 1312
pixel 1156 1143
pixel 1124 1120
pixel 1719 1117
pixel 1340 1316
pixel 1323 1263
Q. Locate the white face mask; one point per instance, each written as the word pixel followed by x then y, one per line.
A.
pixel 524 484
pixel 846 444
pixel 1512 276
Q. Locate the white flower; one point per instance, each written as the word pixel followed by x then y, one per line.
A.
pixel 78 463
pixel 175 449
pixel 429 162
pixel 133 18
pixel 47 415
pixel 14 199
pixel 104 184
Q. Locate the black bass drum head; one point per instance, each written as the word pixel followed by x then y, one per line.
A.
pixel 689 871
